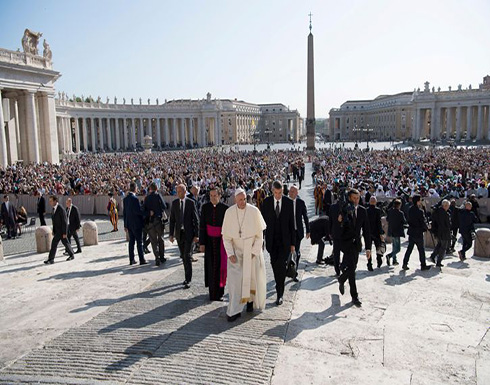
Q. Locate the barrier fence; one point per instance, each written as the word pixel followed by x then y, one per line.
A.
pixel 97 204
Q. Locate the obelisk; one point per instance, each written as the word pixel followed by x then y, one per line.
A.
pixel 310 100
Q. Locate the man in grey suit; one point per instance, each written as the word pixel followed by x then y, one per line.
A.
pixel 184 226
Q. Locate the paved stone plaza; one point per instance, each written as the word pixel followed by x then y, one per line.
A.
pixel 97 319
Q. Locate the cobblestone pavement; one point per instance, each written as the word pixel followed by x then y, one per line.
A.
pixel 27 241
pixel 163 335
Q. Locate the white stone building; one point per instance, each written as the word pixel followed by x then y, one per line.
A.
pixel 36 127
pixel 461 114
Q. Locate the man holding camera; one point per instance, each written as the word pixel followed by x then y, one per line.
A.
pixel 353 218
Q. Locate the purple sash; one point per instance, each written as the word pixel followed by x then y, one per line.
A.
pixel 215 232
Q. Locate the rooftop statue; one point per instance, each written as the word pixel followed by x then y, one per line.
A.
pixel 30 40
pixel 48 55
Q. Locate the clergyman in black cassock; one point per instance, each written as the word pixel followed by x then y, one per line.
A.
pixel 210 241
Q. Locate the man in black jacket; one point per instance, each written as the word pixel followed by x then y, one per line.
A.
pixel 396 221
pixel 154 207
pixel 417 225
pixel 377 232
pixel 184 226
pixel 59 230
pixel 353 219
pixel 74 223
pixel 335 233
pixel 41 208
pixel 300 216
pixel 441 223
pixel 467 220
pixel 8 216
pixel 280 237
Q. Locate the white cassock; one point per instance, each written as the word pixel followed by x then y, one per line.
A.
pixel 243 237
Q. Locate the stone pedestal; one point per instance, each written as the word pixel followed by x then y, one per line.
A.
pixel 44 236
pixel 482 243
pixel 384 224
pixel 1 249
pixel 430 240
pixel 90 234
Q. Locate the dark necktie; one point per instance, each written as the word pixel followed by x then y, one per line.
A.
pixel 277 209
pixel 182 213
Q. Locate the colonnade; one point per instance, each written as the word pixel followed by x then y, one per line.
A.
pixel 82 133
pixel 457 122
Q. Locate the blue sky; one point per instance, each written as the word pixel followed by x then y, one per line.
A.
pixel 256 50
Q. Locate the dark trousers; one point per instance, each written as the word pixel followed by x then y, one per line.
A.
pixel 74 234
pixel 136 236
pixel 185 246
pixel 11 228
pixel 278 261
pixel 454 237
pixel 420 246
pixel 349 265
pixel 467 243
pixel 54 244
pixel 41 218
pixel 297 247
pixel 336 255
pixel 155 232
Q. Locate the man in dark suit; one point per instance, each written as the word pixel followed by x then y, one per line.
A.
pixel 417 225
pixel 41 208
pixel 60 229
pixel 154 207
pixel 9 214
pixel 326 200
pixel 377 232
pixel 184 226
pixel 396 221
pixel 353 218
pixel 74 224
pixel 280 237
pixel 335 234
pixel 133 224
pixel 300 216
pixel 441 221
pixel 319 230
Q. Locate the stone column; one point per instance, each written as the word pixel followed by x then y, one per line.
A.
pixel 191 132
pixel 49 132
pixel 118 134
pixel 13 131
pixel 94 135
pixel 141 131
pixel 434 123
pixel 77 136
pixel 159 133
pixel 182 132
pixel 109 134
pixel 32 127
pixel 488 122
pixel 174 131
pixel 200 129
pixel 85 133
pixel 458 123
pixel 218 129
pixel 3 138
pixel 469 122
pixel 449 123
pixel 68 138
pixel 479 123
pixel 165 131
pixel 133 132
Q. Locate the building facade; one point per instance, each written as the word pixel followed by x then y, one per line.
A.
pixel 36 126
pixel 461 114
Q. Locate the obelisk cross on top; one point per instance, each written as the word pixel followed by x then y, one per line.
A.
pixel 310 99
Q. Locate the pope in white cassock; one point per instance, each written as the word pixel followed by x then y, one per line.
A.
pixel 243 238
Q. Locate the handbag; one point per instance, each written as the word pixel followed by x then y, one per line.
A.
pixel 291 265
pixel 381 249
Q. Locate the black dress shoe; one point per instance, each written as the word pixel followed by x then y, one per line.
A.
pixel 157 262
pixel 187 286
pixel 320 262
pixel 279 301
pixel 405 267
pixel 132 262
pixel 250 307
pixel 163 260
pixel 147 251
pixel 78 251
pixel 184 283
pixel 295 279
pixel 341 288
pixel 439 265
pixel 370 266
pixel 234 317
pixel 143 262
pixel 70 258
pixel 425 268
pixel 356 302
pixel 48 261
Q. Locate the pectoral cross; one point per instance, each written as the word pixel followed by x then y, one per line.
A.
pixel 240 233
